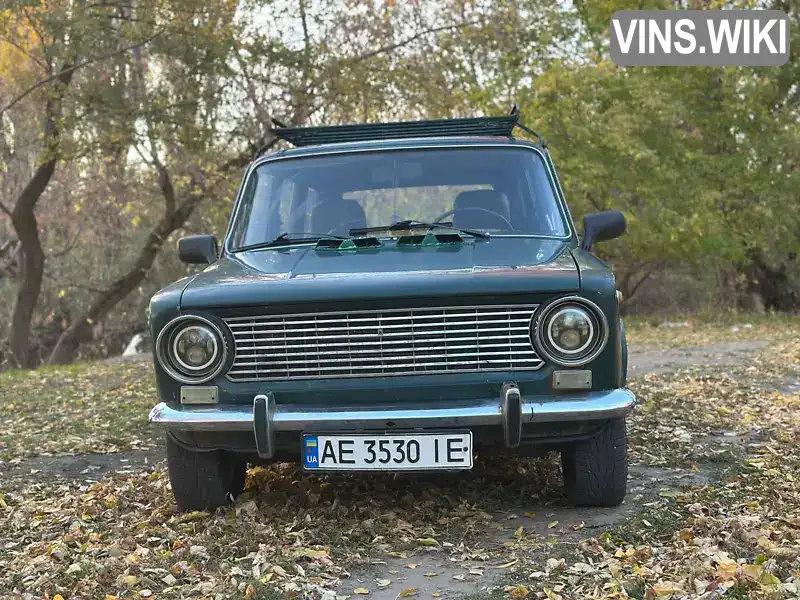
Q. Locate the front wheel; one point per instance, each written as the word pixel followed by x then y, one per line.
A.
pixel 204 480
pixel 596 469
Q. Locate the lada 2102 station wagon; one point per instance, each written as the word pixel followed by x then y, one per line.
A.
pixel 395 296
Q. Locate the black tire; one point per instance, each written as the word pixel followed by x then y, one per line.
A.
pixel 204 480
pixel 596 469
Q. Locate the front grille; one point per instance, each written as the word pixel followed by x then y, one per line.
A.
pixel 372 343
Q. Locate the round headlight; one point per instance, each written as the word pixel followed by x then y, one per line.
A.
pixel 570 331
pixel 195 347
pixel 191 349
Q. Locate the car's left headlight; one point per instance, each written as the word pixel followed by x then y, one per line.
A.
pixel 192 349
pixel 570 331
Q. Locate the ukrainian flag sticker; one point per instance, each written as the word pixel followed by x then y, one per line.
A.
pixel 310 452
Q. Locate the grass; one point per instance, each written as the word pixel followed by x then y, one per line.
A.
pixel 85 407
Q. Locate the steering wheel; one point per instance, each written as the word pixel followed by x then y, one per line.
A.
pixel 453 211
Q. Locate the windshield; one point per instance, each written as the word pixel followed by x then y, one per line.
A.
pixel 501 191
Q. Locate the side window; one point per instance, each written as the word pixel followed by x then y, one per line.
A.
pixel 546 218
pixel 258 221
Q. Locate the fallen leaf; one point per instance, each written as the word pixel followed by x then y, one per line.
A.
pixel 530 515
pixel 552 524
pixel 194 515
pixel 384 583
pixel 517 591
pixel 407 592
pixel 518 532
pixel 665 588
pixel 428 542
pixel 361 591
pixel 509 564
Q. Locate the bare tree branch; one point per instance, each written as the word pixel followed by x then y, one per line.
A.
pixel 70 245
pixel 400 44
pixel 43 65
pixel 75 67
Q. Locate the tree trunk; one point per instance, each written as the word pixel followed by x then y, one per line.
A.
pixel 80 330
pixel 23 219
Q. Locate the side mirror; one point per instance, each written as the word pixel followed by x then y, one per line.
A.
pixel 602 226
pixel 198 249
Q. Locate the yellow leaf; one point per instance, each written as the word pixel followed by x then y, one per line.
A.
pixel 509 564
pixel 250 591
pixel 517 591
pixel 431 574
pixel 195 515
pixel 530 515
pixel 310 553
pixel 436 594
pixel 58 597
pixel 408 592
pixel 552 524
pixel 384 583
pixel 429 542
pixel 768 578
pixel 361 591
pixel 518 532
pixel 752 571
pixel 666 588
pixel 412 566
pixel 727 571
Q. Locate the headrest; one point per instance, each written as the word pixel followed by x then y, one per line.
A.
pixel 495 203
pixel 337 217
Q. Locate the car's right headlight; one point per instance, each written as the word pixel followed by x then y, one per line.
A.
pixel 192 349
pixel 570 332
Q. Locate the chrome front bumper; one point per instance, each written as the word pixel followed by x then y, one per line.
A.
pixel 265 417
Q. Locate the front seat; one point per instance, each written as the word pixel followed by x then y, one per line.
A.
pixel 468 215
pixel 337 217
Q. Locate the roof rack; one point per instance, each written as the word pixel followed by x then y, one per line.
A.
pixel 502 126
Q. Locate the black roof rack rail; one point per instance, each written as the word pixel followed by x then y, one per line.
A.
pixel 502 126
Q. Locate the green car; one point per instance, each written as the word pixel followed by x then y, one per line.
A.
pixel 395 296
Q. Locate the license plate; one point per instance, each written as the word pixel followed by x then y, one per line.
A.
pixel 411 452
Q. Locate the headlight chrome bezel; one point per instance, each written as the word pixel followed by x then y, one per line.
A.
pixel 167 355
pixel 542 339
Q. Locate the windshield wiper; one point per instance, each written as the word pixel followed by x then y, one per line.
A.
pixel 287 239
pixel 410 224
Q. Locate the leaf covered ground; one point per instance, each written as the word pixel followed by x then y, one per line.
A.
pixel 736 535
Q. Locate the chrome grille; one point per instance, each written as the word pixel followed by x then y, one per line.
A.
pixel 372 343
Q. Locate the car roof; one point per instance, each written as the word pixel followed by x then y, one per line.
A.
pixel 399 144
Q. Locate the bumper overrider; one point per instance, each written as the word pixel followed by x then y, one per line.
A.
pixel 265 417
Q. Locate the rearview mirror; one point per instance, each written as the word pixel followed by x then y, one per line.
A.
pixel 602 226
pixel 198 249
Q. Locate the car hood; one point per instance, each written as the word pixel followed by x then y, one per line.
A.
pixel 304 274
